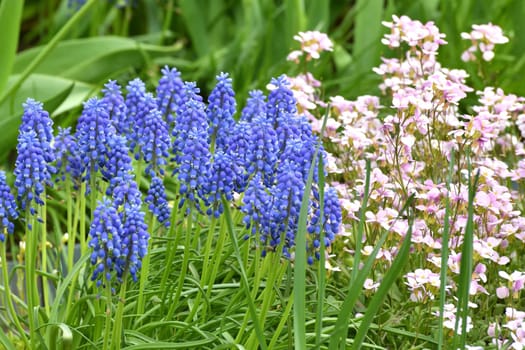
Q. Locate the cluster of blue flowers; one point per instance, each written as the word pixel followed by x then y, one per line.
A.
pixel 264 158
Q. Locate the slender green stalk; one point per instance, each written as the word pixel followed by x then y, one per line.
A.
pixel 71 234
pixel 167 21
pixel 244 278
pixel 83 238
pixel 107 331
pixel 184 269
pixel 47 49
pixel 361 225
pixel 8 298
pixel 43 235
pixel 171 249
pixel 144 273
pixel 117 329
pixel 284 319
pixel 31 283
pixel 321 271
pixel 444 254
pixel 465 272
pixel 205 271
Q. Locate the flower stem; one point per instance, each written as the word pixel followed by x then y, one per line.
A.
pixel 117 330
pixel 7 294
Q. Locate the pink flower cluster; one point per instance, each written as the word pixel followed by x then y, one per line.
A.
pixel 410 147
pixel 483 38
pixel 312 44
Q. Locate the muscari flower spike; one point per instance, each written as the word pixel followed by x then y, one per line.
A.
pixel 170 94
pixel 8 209
pixel 255 106
pixel 106 241
pixel 222 177
pixel 221 109
pixel 139 103
pixel 37 119
pixel 281 100
pixel 66 154
pixel 94 129
pixel 190 116
pixel 287 196
pixel 116 106
pixel 31 170
pixel 134 242
pixel 118 166
pixel 331 222
pixel 157 201
pixel 262 150
pixel 154 143
pixel 256 205
pixel 192 171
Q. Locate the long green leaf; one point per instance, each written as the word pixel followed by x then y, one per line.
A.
pixel 341 325
pixel 465 270
pixel 94 59
pixel 444 254
pixel 390 278
pixel 4 340
pixel 368 31
pixel 10 18
pixel 196 23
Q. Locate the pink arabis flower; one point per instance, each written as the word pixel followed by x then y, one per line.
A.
pixel 483 37
pixel 312 44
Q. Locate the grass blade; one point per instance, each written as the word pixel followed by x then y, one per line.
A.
pixel 10 18
pixel 465 271
pixel 444 254
pixel 244 278
pixel 341 325
pixel 368 31
pixel 390 278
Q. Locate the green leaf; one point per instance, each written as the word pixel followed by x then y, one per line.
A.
pixel 94 59
pixel 196 23
pixel 390 278
pixel 368 31
pixel 4 340
pixel 10 18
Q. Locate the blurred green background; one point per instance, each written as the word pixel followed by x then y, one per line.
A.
pixel 60 52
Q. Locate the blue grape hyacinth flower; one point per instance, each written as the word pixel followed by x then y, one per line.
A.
pixel 170 94
pixel 281 100
pixel 134 242
pixel 31 170
pixel 255 106
pixel 221 109
pixel 8 209
pixel 154 143
pixel 116 106
pixel 106 241
pixel 157 201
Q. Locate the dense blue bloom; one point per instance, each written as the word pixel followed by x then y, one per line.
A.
pixel 301 152
pixel 331 222
pixel 116 106
pixel 170 94
pixel 222 177
pixel 280 100
pixel 190 116
pixel 66 155
pixel 139 103
pixel 263 149
pixel 7 208
pixel 154 143
pixel 118 165
pixel 124 192
pixel 287 196
pixel 221 108
pixel 37 119
pixel 255 106
pixel 94 130
pixel 256 204
pixel 134 242
pixel 31 170
pixel 158 203
pixel 106 241
pixel 193 163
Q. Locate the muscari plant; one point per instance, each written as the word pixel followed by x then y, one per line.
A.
pixel 146 180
